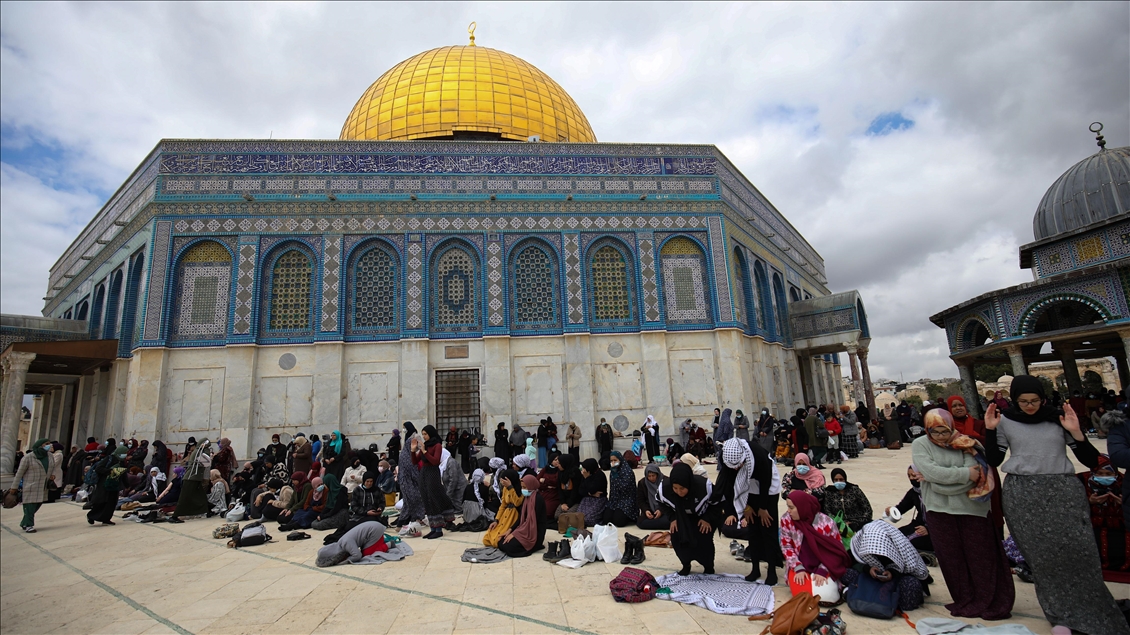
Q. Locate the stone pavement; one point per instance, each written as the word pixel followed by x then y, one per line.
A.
pixel 133 578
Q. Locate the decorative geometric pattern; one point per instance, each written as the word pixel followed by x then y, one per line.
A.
pixel 157 273
pixel 610 274
pixel 292 292
pixel 738 282
pixel 721 279
pixel 647 277
pixel 375 278
pixel 534 285
pixel 573 287
pixel 1090 248
pixel 415 291
pixel 455 299
pixel 203 290
pixel 331 276
pixel 495 309
pixel 835 320
pixel 245 286
pixel 684 281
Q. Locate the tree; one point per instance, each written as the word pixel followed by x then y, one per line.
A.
pixel 914 400
pixel 937 392
pixel 990 373
pixel 1093 382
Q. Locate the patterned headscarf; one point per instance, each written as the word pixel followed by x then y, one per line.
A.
pixel 476 480
pixel 940 418
pixel 522 461
pixel 737 456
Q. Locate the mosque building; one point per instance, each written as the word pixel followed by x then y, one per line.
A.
pixel 1075 308
pixel 465 254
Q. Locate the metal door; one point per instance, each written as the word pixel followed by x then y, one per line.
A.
pixel 457 400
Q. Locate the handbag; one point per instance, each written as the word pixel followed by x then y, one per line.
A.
pixel 658 539
pixel 11 499
pixel 570 519
pixel 871 598
pixel 792 617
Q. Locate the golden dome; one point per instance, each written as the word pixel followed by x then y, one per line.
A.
pixel 466 89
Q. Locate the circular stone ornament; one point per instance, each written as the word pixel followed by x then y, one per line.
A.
pixel 620 423
pixel 287 361
pixel 615 349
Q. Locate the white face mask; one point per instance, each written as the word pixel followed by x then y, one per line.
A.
pixel 614 465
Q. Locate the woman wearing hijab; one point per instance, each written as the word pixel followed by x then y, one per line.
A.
pixel 888 420
pixel 849 432
pixel 301 487
pixel 725 430
pixel 436 502
pixel 696 466
pixel 168 497
pixel 622 508
pixel 651 515
pixel 882 552
pixel 354 475
pixel 522 465
pixel 475 497
pixel 548 487
pixel 604 438
pixel 224 459
pixel 570 484
pixel 966 424
pixel 217 493
pixel 804 477
pixel 502 448
pixel 741 426
pixel 812 547
pixel 846 500
pixel 508 512
pixel 194 493
pixel 392 448
pixel 33 470
pixel 686 499
pixel 110 471
pixel 408 480
pixel 573 439
pixel 956 490
pixel 915 530
pixel 1047 509
pixel 594 490
pixel 763 431
pixel 335 511
pixel 1102 485
pixel 311 505
pixel 528 534
pixel 464 446
pixel 454 480
pixel 748 492
pixel 531 453
pixel 651 438
pixel 278 498
pixel 518 438
pixel 335 449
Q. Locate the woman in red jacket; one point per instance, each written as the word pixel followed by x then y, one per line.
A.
pixel 437 505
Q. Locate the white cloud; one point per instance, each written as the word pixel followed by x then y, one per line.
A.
pixel 918 219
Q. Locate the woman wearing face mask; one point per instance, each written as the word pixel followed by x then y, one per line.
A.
pixel 528 534
pixel 1102 485
pixel 847 500
pixel 354 474
pixel 741 426
pixel 804 477
pixel 594 489
pixel 33 470
pixel 621 509
pixel 1047 509
pixel 651 514
pixel 915 530
pixel 687 499
pixel 335 512
pixel 508 512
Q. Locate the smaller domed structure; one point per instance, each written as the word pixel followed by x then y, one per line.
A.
pixel 1094 189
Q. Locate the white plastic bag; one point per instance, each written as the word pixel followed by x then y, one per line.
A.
pixel 583 549
pixel 237 513
pixel 607 542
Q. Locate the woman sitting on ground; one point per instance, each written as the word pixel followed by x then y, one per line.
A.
pixel 300 490
pixel 1103 485
pixel 622 509
pixel 594 489
pixel 528 535
pixel 169 496
pixel 570 484
pixel 314 502
pixel 521 465
pixel 354 475
pixel 507 517
pixel 217 494
pixel 549 489
pixel 475 497
pixel 336 510
pixel 651 516
pixel 847 500
pixel 882 552
pixel 696 466
pixel 264 504
pixel 804 478
pixel 366 504
pixel 812 547
pixel 154 485
pixel 686 499
pixel 915 530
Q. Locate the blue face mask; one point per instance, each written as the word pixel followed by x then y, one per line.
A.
pixel 1105 481
pixel 839 484
pixel 321 487
pixel 525 492
pixel 802 469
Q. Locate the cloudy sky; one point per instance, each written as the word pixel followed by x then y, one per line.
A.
pixel 910 143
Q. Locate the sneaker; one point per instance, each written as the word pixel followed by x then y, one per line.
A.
pixel 735 548
pixel 30 530
pixel 412 533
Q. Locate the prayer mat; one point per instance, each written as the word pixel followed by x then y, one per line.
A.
pixel 483 555
pixel 723 593
pixel 395 553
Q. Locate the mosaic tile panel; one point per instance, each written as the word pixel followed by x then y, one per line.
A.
pixel 684 283
pixel 611 291
pixel 721 280
pixel 331 278
pixel 573 287
pixel 1089 249
pixel 648 279
pixel 534 289
pixel 374 289
pixel 245 286
pixel 496 314
pixel 292 292
pixel 454 285
pixel 738 281
pixel 834 321
pixel 415 288
pixel 1118 237
pixel 203 293
pixel 1103 292
pixel 158 269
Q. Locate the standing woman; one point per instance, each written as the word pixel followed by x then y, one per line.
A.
pixel 193 499
pixel 548 487
pixel 725 430
pixel 849 433
pixel 408 480
pixel 687 499
pixel 529 534
pixel 955 492
pixel 651 437
pixel 436 503
pixel 335 450
pixel 502 442
pixel 594 492
pixel 302 456
pixel 517 441
pixel 105 496
pixel 741 426
pixel 33 472
pixel 1047 510
pixel 224 459
pixel 764 431
pixel 604 442
pixel 966 424
pixel 573 437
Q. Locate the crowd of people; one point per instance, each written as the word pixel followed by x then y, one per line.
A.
pixel 1067 528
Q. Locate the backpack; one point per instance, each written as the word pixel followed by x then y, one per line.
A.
pixel 871 598
pixel 252 535
pixel 633 585
pixel 567 520
pixel 226 530
pixel 792 617
pixel 821 431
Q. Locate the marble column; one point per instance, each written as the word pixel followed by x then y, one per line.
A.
pixel 1124 377
pixel 1016 356
pixel 969 388
pixel 1070 369
pixel 15 366
pixel 853 362
pixel 869 392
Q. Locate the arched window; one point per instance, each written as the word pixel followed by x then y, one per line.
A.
pixel 765 310
pixel 533 289
pixel 82 310
pixel 455 291
pixel 95 328
pixel 794 294
pixel 737 281
pixel 202 292
pixel 684 282
pixel 373 295
pixel 67 314
pixel 110 329
pixel 782 306
pixel 610 285
pixel 130 324
pixel 292 292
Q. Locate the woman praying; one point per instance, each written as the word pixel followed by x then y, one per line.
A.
pixel 687 500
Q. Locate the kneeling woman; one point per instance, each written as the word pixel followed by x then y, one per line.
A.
pixel 687 499
pixel 882 551
pixel 652 515
pixel 622 509
pixel 814 552
pixel 529 534
pixel 508 512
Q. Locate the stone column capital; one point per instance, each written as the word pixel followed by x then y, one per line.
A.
pixel 1013 349
pixel 17 361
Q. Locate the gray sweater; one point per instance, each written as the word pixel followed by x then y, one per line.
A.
pixel 357 539
pixel 947 479
pixel 1034 448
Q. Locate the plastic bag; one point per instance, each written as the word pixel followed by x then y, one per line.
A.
pixel 607 542
pixel 237 513
pixel 583 549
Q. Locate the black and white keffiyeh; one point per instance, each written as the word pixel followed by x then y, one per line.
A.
pixel 737 456
pixel 880 538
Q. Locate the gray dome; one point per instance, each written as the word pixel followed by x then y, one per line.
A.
pixel 1093 190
